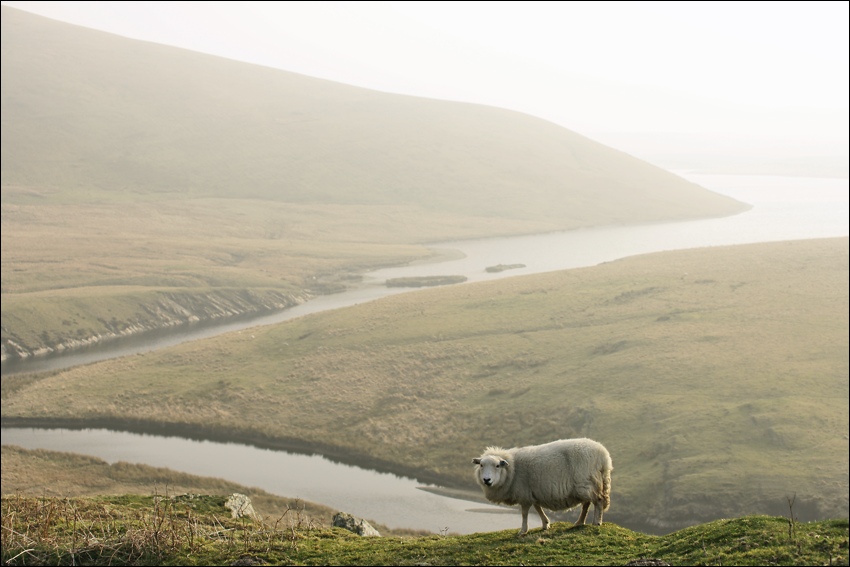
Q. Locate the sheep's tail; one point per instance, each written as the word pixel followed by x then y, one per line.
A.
pixel 605 496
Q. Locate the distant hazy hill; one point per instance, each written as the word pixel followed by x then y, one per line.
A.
pixel 145 186
pixel 84 109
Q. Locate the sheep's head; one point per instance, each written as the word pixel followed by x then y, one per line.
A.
pixel 490 470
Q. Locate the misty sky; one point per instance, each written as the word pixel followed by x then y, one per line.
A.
pixel 763 79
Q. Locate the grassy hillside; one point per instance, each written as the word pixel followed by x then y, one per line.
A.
pixel 717 378
pixel 130 530
pixel 136 174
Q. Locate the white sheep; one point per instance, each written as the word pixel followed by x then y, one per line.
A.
pixel 558 475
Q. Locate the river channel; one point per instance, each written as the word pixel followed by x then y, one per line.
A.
pixel 784 208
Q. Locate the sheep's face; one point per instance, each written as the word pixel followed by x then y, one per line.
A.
pixel 491 471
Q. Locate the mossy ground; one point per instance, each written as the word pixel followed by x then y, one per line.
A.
pixel 197 530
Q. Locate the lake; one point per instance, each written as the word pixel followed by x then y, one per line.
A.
pixel 784 208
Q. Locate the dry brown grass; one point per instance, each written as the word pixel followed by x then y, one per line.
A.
pixel 700 370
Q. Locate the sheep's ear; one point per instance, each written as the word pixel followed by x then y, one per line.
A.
pixel 503 463
pixel 476 461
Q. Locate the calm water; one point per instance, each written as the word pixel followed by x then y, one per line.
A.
pixel 392 500
pixel 784 208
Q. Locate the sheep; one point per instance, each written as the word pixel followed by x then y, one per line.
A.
pixel 558 475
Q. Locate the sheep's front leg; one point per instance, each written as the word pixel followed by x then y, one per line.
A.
pixel 543 517
pixel 583 516
pixel 525 508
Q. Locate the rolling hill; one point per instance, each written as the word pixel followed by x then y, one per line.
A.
pixel 87 110
pixel 145 186
pixel 716 377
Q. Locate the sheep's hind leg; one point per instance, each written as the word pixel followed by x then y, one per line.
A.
pixel 543 517
pixel 583 516
pixel 597 513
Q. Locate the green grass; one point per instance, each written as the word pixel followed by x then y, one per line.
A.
pixel 133 530
pixel 717 378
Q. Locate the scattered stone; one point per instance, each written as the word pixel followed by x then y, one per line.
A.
pixel 359 526
pixel 240 505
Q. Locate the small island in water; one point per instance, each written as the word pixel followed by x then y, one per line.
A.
pixel 424 281
pixel 503 267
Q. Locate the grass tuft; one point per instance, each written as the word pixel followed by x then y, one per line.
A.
pixel 197 530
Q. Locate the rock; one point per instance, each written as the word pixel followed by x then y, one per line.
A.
pixel 356 525
pixel 240 505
